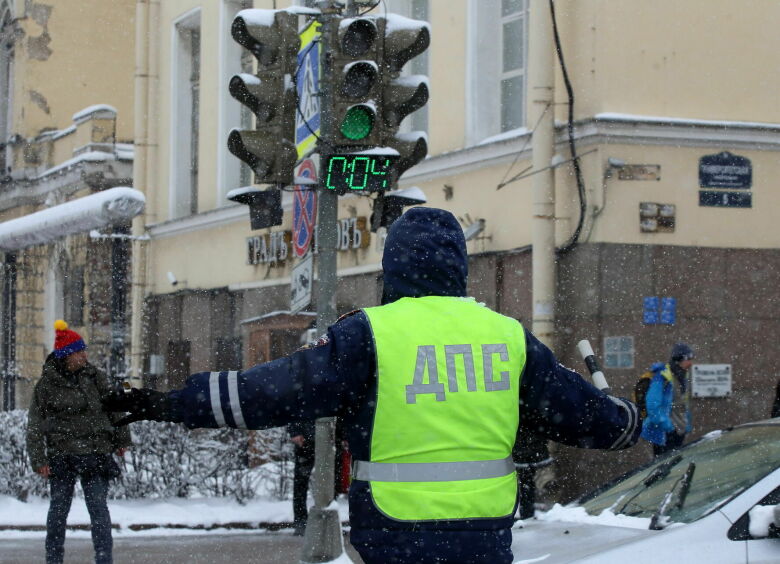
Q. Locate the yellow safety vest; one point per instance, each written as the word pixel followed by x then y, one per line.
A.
pixel 448 378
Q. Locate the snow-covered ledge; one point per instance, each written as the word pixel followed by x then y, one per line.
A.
pixel 109 207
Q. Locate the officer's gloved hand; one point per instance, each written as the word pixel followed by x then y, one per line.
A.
pixel 141 403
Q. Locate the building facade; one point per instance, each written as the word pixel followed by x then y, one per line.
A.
pixel 66 128
pixel 677 133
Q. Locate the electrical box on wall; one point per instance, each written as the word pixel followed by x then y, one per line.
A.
pixel 656 218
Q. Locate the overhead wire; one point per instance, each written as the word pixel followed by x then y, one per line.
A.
pixel 504 182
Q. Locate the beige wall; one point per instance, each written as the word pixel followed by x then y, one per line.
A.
pixel 685 60
pixel 73 55
pixel 695 59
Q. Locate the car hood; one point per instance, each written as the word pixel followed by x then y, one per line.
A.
pixel 557 542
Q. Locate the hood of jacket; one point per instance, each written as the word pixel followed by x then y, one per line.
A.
pixel 425 255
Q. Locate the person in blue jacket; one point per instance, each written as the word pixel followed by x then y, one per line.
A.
pixel 353 372
pixel 668 402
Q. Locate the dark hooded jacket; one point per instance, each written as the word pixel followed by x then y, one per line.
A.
pixel 425 254
pixel 66 415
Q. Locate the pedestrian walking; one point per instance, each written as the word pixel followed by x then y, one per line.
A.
pixel 70 437
pixel 302 435
pixel 429 387
pixel 668 402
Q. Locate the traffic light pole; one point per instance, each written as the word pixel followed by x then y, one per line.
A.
pixel 323 539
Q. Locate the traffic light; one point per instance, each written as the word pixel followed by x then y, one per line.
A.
pixel 370 99
pixel 402 40
pixel 269 149
pixel 355 84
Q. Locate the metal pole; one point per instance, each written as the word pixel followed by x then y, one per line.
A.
pixel 119 260
pixel 541 114
pixel 9 333
pixel 323 541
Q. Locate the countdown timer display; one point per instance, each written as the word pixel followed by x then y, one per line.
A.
pixel 359 173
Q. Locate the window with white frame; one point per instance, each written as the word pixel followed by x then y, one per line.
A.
pixel 185 102
pixel 6 82
pixel 618 352
pixel 234 59
pixel 498 39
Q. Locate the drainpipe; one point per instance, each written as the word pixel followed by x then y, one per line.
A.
pixel 8 339
pixel 541 80
pixel 140 182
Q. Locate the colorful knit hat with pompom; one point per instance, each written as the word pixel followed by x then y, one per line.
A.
pixel 66 341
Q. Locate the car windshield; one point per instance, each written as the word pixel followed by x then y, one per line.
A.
pixel 726 463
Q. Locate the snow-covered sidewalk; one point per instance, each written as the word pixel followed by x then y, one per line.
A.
pixel 155 516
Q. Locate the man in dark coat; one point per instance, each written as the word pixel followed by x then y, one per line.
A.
pixel 69 436
pixel 302 435
pixel 425 263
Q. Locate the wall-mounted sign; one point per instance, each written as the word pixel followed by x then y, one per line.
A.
pixel 661 311
pixel 725 199
pixel 639 172
pixel 711 380
pixel 725 170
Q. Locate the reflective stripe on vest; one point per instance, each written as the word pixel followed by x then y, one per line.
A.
pixel 448 380
pixel 431 471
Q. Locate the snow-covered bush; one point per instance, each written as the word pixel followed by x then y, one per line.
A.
pixel 167 460
pixel 16 477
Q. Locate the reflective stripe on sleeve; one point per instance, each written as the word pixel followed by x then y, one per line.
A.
pixel 235 405
pixel 624 439
pixel 431 471
pixel 216 404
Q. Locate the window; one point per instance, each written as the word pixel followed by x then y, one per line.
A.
pixel 496 66
pixel 6 81
pixel 513 33
pixel 618 352
pixel 185 114
pixel 73 288
pixel 234 59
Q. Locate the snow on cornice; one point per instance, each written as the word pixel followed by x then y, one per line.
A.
pixel 661 120
pixel 97 108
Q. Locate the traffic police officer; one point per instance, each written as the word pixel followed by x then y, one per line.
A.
pixel 431 386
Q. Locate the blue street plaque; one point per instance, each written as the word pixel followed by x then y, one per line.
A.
pixel 668 311
pixel 650 316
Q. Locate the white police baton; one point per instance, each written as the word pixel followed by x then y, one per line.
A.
pixel 593 366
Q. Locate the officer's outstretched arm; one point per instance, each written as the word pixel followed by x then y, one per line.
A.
pixel 317 381
pixel 564 407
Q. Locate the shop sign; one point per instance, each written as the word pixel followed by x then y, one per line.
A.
pixel 352 233
pixel 269 248
pixel 711 380
pixel 276 247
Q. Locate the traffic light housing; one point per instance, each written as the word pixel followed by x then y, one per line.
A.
pixel 402 40
pixel 356 84
pixel 265 206
pixel 369 97
pixel 269 149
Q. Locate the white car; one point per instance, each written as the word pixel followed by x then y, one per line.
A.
pixel 716 500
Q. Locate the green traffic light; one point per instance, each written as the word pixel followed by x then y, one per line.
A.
pixel 358 122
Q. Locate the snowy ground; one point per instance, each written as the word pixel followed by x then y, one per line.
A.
pixel 150 517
